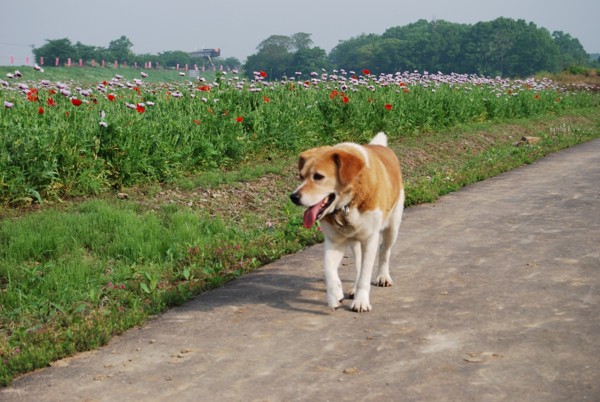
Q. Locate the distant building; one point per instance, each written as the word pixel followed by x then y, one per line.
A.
pixel 210 53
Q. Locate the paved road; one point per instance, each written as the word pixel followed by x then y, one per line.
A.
pixel 496 298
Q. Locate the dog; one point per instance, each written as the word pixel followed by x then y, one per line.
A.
pixel 357 194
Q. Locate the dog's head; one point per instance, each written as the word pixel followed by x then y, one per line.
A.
pixel 327 175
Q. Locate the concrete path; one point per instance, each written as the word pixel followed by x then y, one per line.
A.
pixel 496 298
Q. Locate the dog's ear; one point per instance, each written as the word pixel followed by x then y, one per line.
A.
pixel 311 153
pixel 348 166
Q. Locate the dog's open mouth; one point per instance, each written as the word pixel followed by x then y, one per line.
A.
pixel 314 213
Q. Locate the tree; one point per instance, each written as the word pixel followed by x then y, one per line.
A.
pixel 571 50
pixel 307 60
pixel 88 53
pixel 353 54
pixel 55 48
pixel 280 56
pixel 172 58
pixel 120 49
pixel 301 40
pixel 280 42
pixel 273 59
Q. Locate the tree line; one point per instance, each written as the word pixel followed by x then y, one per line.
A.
pixel 502 47
pixel 118 50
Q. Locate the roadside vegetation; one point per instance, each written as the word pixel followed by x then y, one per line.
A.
pixel 185 186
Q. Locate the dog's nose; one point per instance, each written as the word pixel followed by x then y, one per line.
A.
pixel 295 197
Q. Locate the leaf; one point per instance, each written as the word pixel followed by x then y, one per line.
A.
pixel 79 308
pixel 145 288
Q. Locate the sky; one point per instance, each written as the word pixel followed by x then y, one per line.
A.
pixel 238 26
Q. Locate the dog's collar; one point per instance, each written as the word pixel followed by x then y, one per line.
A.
pixel 340 215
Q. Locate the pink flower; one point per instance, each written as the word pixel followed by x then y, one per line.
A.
pixel 8 105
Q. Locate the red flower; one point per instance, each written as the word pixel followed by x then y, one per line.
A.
pixel 366 72
pixel 32 95
pixel 388 106
pixel 52 92
pixel 266 99
pixel 239 119
pixel 51 102
pixel 333 94
pixel 204 88
pixel 406 90
pixel 345 99
pixel 263 74
pixel 41 110
pixel 110 97
pixel 536 96
pixel 402 84
pixel 196 121
pixel 76 102
pixel 140 109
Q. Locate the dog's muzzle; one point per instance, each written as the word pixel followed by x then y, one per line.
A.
pixel 295 197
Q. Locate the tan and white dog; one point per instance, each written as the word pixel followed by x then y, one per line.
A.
pixel 356 192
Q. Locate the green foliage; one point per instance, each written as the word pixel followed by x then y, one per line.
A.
pixel 503 47
pixel 118 50
pixel 120 134
pixel 282 56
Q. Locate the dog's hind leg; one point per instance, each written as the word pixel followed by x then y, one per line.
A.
pixel 389 237
pixel 357 253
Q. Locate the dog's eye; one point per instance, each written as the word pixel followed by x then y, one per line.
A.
pixel 318 176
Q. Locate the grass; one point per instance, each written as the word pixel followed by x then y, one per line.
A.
pixel 78 269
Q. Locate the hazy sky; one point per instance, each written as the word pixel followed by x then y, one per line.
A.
pixel 238 26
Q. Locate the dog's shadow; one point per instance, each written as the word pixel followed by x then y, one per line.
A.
pixel 276 287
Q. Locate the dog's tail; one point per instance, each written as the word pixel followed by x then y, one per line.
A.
pixel 379 139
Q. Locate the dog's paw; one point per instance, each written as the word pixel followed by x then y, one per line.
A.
pixel 360 304
pixel 384 281
pixel 335 295
pixel 334 303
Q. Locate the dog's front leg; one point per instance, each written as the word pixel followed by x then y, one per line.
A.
pixel 361 298
pixel 334 252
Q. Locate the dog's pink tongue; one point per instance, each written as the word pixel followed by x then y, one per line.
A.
pixel 310 216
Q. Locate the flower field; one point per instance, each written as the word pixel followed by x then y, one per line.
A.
pixel 64 138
